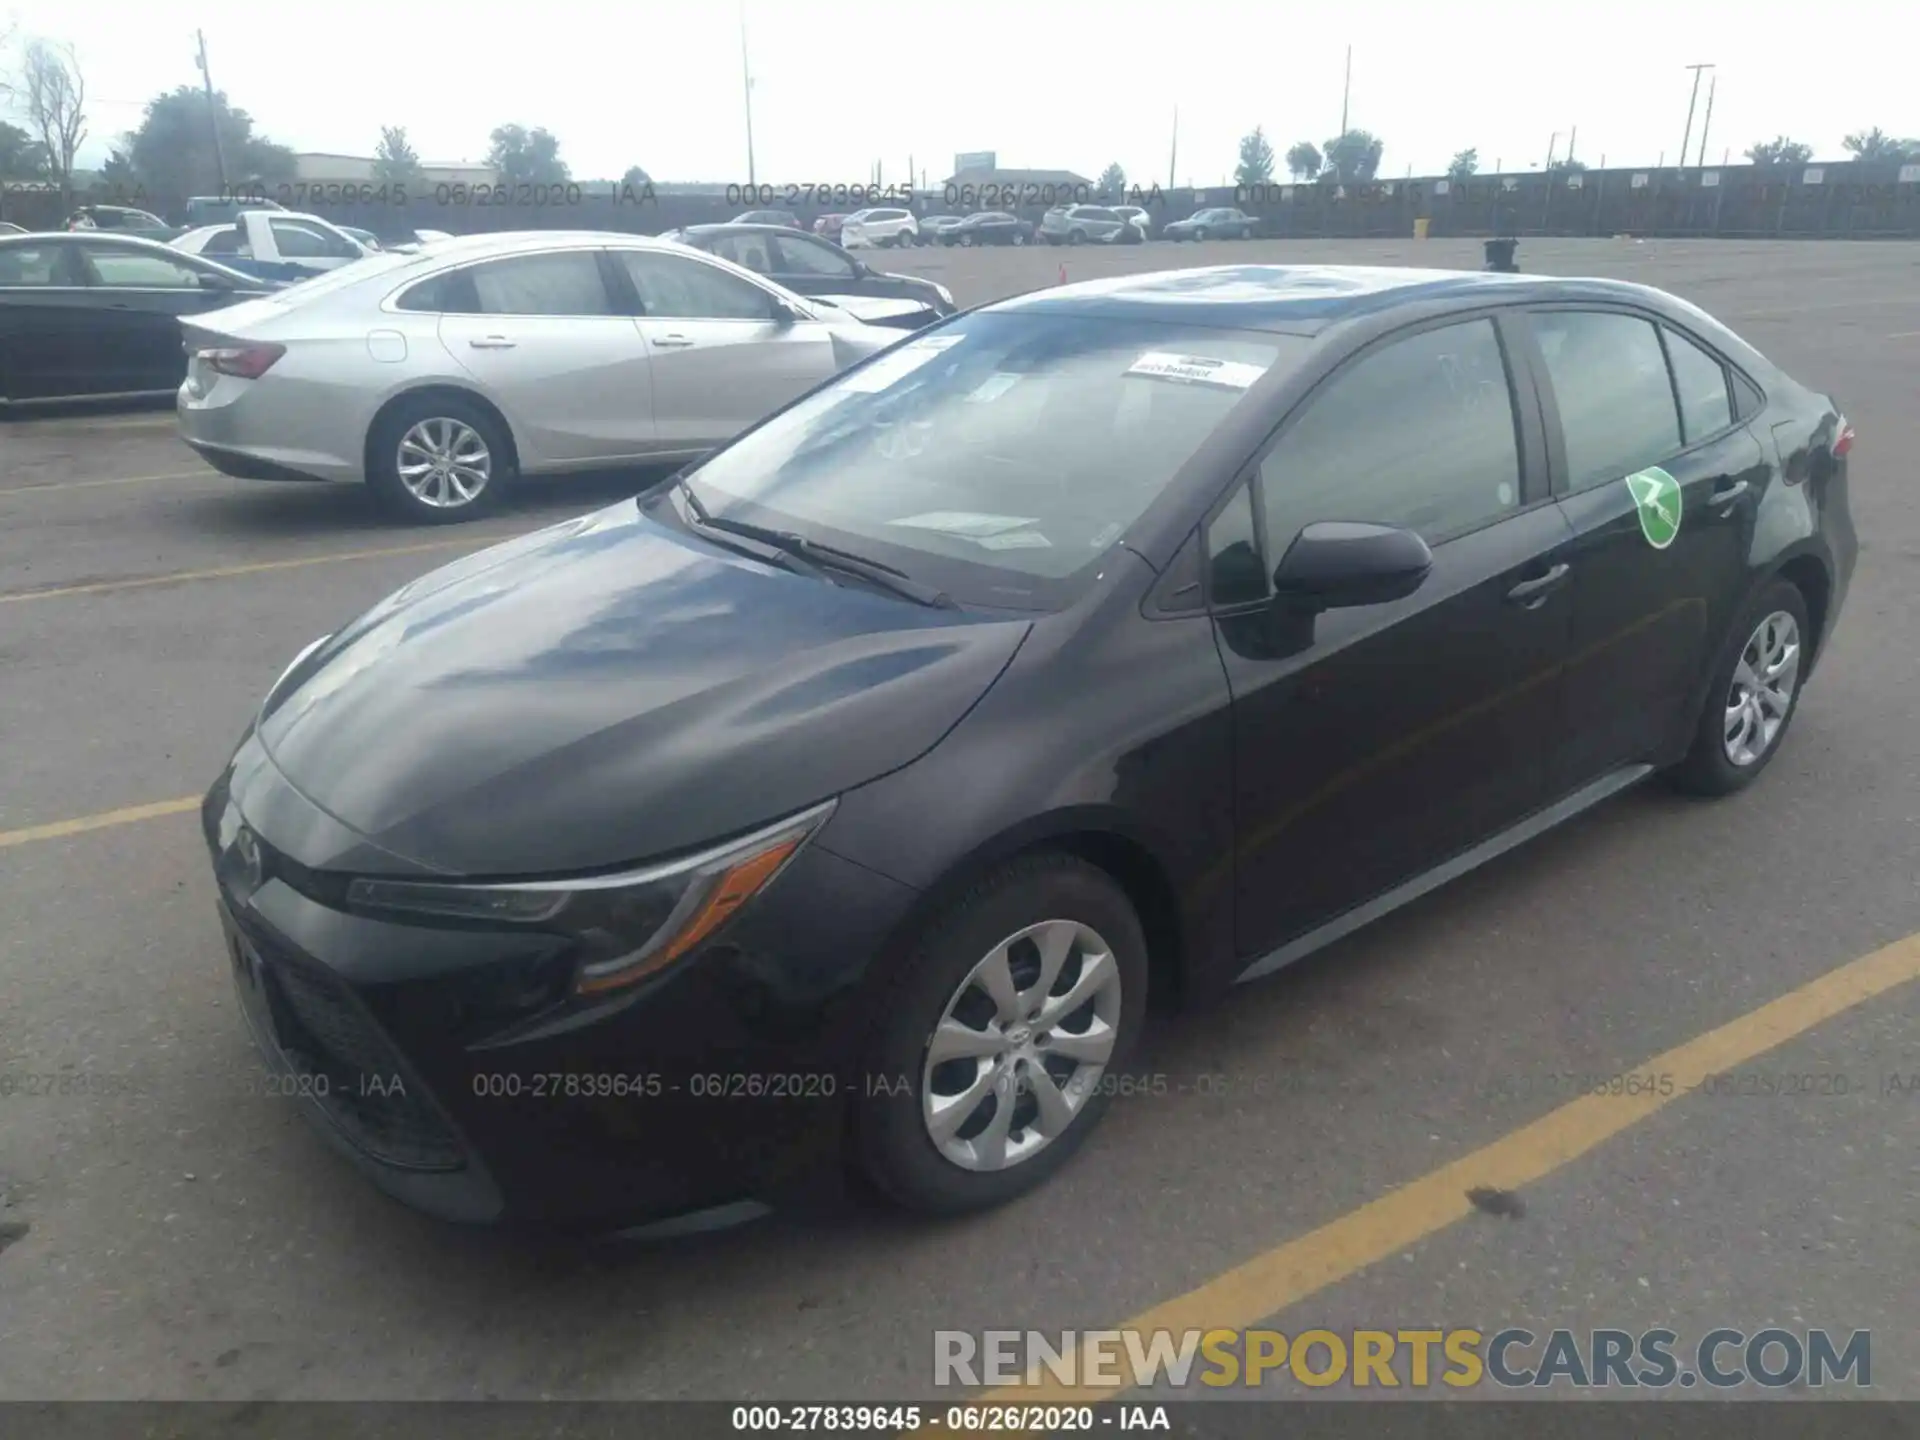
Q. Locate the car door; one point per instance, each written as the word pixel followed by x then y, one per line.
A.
pixel 50 343
pixel 139 294
pixel 723 353
pixel 1374 743
pixel 542 335
pixel 1658 481
pixel 812 267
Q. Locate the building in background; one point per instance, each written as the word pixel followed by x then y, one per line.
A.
pixel 314 168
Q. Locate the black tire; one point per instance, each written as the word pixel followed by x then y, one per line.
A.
pixel 966 238
pixel 383 471
pixel 1018 238
pixel 892 1146
pixel 1075 237
pixel 1707 769
pixel 1200 235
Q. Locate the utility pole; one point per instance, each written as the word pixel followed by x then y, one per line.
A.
pixel 1687 138
pixel 1706 124
pixel 746 83
pixel 213 113
pixel 1572 139
pixel 1552 141
pixel 1173 155
pixel 1346 90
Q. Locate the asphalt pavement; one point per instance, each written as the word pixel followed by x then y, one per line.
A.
pixel 167 1231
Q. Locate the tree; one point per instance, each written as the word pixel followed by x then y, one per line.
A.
pixel 394 160
pixel 1780 151
pixel 56 98
pixel 1113 180
pixel 635 178
pixel 172 153
pixel 1354 155
pixel 523 156
pixel 21 156
pixel 1566 167
pixel 1876 147
pixel 1464 164
pixel 1304 161
pixel 1256 160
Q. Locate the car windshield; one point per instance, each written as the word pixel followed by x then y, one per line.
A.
pixel 998 457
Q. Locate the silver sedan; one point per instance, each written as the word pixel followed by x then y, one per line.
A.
pixel 441 376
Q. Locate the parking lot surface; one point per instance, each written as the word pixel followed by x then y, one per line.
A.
pixel 166 1231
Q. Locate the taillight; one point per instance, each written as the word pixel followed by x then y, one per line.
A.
pixel 1843 443
pixel 249 362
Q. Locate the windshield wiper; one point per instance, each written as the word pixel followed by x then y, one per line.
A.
pixel 747 541
pixel 818 556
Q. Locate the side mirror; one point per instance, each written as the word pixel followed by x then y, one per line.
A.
pixel 785 314
pixel 1336 563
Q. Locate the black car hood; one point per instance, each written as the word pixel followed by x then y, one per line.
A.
pixel 610 690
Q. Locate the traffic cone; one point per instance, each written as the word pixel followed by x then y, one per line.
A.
pixel 1063 274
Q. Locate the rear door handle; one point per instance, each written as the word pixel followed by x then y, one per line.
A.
pixel 672 342
pixel 1727 494
pixel 492 342
pixel 1530 594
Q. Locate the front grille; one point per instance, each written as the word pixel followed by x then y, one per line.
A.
pixel 324 1032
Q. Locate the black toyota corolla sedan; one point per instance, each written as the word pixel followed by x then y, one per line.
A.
pixel 841 802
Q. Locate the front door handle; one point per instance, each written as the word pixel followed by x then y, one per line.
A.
pixel 1531 594
pixel 1727 494
pixel 672 342
pixel 492 342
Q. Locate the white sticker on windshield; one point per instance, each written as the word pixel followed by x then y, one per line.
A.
pixel 1197 369
pixel 967 523
pixel 1018 540
pixel 994 386
pixel 896 365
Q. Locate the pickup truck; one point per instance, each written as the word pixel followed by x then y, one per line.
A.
pixel 122 220
pixel 275 245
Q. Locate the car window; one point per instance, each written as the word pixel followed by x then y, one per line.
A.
pixel 753 251
pixel 306 242
pixel 802 257
pixel 1235 572
pixel 137 270
pixel 227 242
pixel 672 287
pixel 1701 383
pixel 1004 454
pixel 33 265
pixel 1610 381
pixel 1419 433
pixel 560 282
pixel 450 293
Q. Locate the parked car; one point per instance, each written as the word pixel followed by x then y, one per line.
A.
pixel 990 227
pixel 1138 217
pixel 828 226
pixel 785 218
pixel 1218 222
pixel 213 209
pixel 480 360
pixel 934 229
pixel 275 244
pixel 1122 639
pixel 93 314
pixel 808 265
pixel 880 226
pixel 7 227
pixel 122 220
pixel 1080 224
pixel 367 238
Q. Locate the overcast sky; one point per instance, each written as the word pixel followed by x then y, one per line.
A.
pixel 1049 84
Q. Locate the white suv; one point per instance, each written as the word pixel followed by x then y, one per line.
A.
pixel 879 227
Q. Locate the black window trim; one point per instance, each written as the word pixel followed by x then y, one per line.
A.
pixel 1688 442
pixel 1530 436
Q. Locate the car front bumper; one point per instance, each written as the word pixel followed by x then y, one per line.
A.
pixel 728 1078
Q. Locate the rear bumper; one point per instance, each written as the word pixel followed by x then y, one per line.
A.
pixel 273 428
pixel 243 466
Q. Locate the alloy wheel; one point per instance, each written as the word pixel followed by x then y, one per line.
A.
pixel 1021 1046
pixel 1762 692
pixel 444 463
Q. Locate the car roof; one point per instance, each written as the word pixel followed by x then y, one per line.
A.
pixel 1301 299
pixel 514 242
pixel 735 227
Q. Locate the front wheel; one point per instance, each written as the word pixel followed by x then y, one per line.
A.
pixel 1752 696
pixel 439 459
pixel 1200 234
pixel 1000 1038
pixel 1075 237
pixel 1019 238
pixel 967 239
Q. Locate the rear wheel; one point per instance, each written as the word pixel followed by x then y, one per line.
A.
pixel 1752 697
pixel 1015 1004
pixel 439 459
pixel 1201 233
pixel 1075 237
pixel 966 237
pixel 1019 237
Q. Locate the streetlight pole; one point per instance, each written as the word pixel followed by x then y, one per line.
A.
pixel 1707 123
pixel 1553 141
pixel 1346 90
pixel 1687 138
pixel 746 81
pixel 213 114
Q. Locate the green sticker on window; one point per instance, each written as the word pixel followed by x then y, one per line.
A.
pixel 1656 495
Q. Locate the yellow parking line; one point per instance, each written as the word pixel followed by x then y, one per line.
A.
pixel 106 819
pixel 1289 1273
pixel 258 567
pixel 115 480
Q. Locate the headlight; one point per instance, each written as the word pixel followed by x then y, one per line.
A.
pixel 631 925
